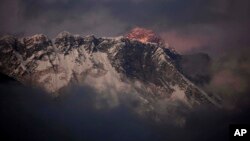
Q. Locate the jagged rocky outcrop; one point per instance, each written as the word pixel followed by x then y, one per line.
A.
pixel 108 65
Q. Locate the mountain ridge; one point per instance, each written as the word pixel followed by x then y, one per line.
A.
pixel 108 64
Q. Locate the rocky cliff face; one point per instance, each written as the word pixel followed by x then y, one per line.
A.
pixel 108 65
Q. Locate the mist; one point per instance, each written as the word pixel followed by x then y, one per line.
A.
pixel 31 114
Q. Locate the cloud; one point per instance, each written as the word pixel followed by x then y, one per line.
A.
pixel 18 16
pixel 51 17
pixel 230 78
pixel 30 114
pixel 188 25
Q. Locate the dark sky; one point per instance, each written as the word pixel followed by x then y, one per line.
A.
pixel 185 24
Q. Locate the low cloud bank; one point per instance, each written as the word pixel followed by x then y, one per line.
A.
pixel 30 114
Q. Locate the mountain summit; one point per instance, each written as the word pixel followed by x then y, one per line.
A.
pixel 144 35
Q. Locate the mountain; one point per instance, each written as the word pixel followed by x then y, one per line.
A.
pixel 144 35
pixel 118 65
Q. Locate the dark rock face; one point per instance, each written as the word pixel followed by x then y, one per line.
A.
pixel 9 61
pixel 109 65
pixel 196 67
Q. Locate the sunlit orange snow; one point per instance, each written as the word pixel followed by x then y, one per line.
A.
pixel 143 35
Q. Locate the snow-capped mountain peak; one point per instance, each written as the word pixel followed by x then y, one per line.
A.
pixel 108 65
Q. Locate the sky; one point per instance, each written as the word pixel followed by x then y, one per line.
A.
pixel 187 25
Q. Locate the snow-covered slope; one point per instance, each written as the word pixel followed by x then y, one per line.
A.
pixel 109 65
